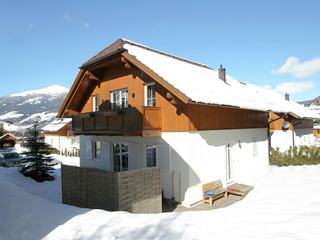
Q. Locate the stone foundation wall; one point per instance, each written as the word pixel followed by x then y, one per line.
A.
pixel 139 191
pixel 136 191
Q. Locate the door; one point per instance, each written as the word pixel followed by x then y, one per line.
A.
pixel 229 163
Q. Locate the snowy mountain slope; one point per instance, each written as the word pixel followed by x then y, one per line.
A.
pixel 51 90
pixel 19 110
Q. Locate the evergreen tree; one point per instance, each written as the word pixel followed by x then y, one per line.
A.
pixel 2 132
pixel 39 165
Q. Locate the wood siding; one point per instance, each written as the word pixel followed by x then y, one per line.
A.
pixel 316 132
pixel 64 131
pixel 294 123
pixel 174 114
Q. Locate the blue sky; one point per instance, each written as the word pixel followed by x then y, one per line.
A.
pixel 43 42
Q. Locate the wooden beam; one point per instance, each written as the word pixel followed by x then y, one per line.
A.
pixel 125 62
pixel 71 93
pixel 91 76
pixel 105 63
pixel 156 77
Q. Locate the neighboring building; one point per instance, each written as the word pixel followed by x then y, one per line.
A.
pixel 7 141
pixel 59 135
pixel 135 108
pixel 289 130
pixel 316 131
pixel 292 128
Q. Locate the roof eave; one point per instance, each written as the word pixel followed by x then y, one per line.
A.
pixel 89 63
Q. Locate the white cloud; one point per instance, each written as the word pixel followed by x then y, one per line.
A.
pixel 293 87
pixel 294 67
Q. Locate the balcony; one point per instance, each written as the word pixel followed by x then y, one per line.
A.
pixel 143 121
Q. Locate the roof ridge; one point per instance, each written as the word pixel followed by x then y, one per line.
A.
pixel 119 45
pixel 164 53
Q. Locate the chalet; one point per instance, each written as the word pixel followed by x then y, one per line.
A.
pixel 7 140
pixel 140 112
pixel 59 135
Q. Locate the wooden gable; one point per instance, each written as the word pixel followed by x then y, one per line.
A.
pixel 276 122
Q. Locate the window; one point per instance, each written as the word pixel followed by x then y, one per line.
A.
pixel 119 99
pixel 95 100
pixel 150 95
pixel 96 150
pixel 120 155
pixel 151 155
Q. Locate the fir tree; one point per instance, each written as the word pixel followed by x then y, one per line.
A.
pixel 39 165
pixel 2 131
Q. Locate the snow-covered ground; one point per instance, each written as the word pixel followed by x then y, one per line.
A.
pixel 284 205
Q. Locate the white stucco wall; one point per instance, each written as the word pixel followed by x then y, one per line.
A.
pixel 62 143
pixel 200 157
pixel 281 139
pixel 303 137
pixel 284 139
pixel 189 159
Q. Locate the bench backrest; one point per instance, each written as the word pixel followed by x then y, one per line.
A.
pixel 212 186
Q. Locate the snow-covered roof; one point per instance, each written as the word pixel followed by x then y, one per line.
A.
pixel 5 136
pixel 315 109
pixel 201 84
pixel 56 124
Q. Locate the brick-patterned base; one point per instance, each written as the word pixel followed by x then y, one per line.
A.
pixel 136 191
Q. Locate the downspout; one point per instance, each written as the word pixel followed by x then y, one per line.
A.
pixel 269 135
pixel 293 125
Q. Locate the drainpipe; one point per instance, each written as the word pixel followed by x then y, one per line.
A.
pixel 269 135
pixel 293 125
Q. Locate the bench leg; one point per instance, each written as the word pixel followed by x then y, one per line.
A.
pixel 211 202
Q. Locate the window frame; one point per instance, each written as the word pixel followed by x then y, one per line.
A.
pixel 95 103
pixel 155 148
pixel 123 99
pixel 151 99
pixel 121 155
pixel 95 149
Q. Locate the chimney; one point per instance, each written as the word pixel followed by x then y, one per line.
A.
pixel 222 73
pixel 286 96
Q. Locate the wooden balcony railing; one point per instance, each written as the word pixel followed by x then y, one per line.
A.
pixel 141 121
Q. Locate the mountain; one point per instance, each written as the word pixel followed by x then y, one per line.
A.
pixel 19 110
pixel 313 102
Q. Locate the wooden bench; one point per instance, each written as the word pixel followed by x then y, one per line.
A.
pixel 216 188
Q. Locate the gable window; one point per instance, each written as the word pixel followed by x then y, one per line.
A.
pixel 95 100
pixel 151 156
pixel 96 150
pixel 120 156
pixel 119 99
pixel 150 95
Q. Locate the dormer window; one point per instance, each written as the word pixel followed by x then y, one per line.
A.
pixel 119 99
pixel 150 95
